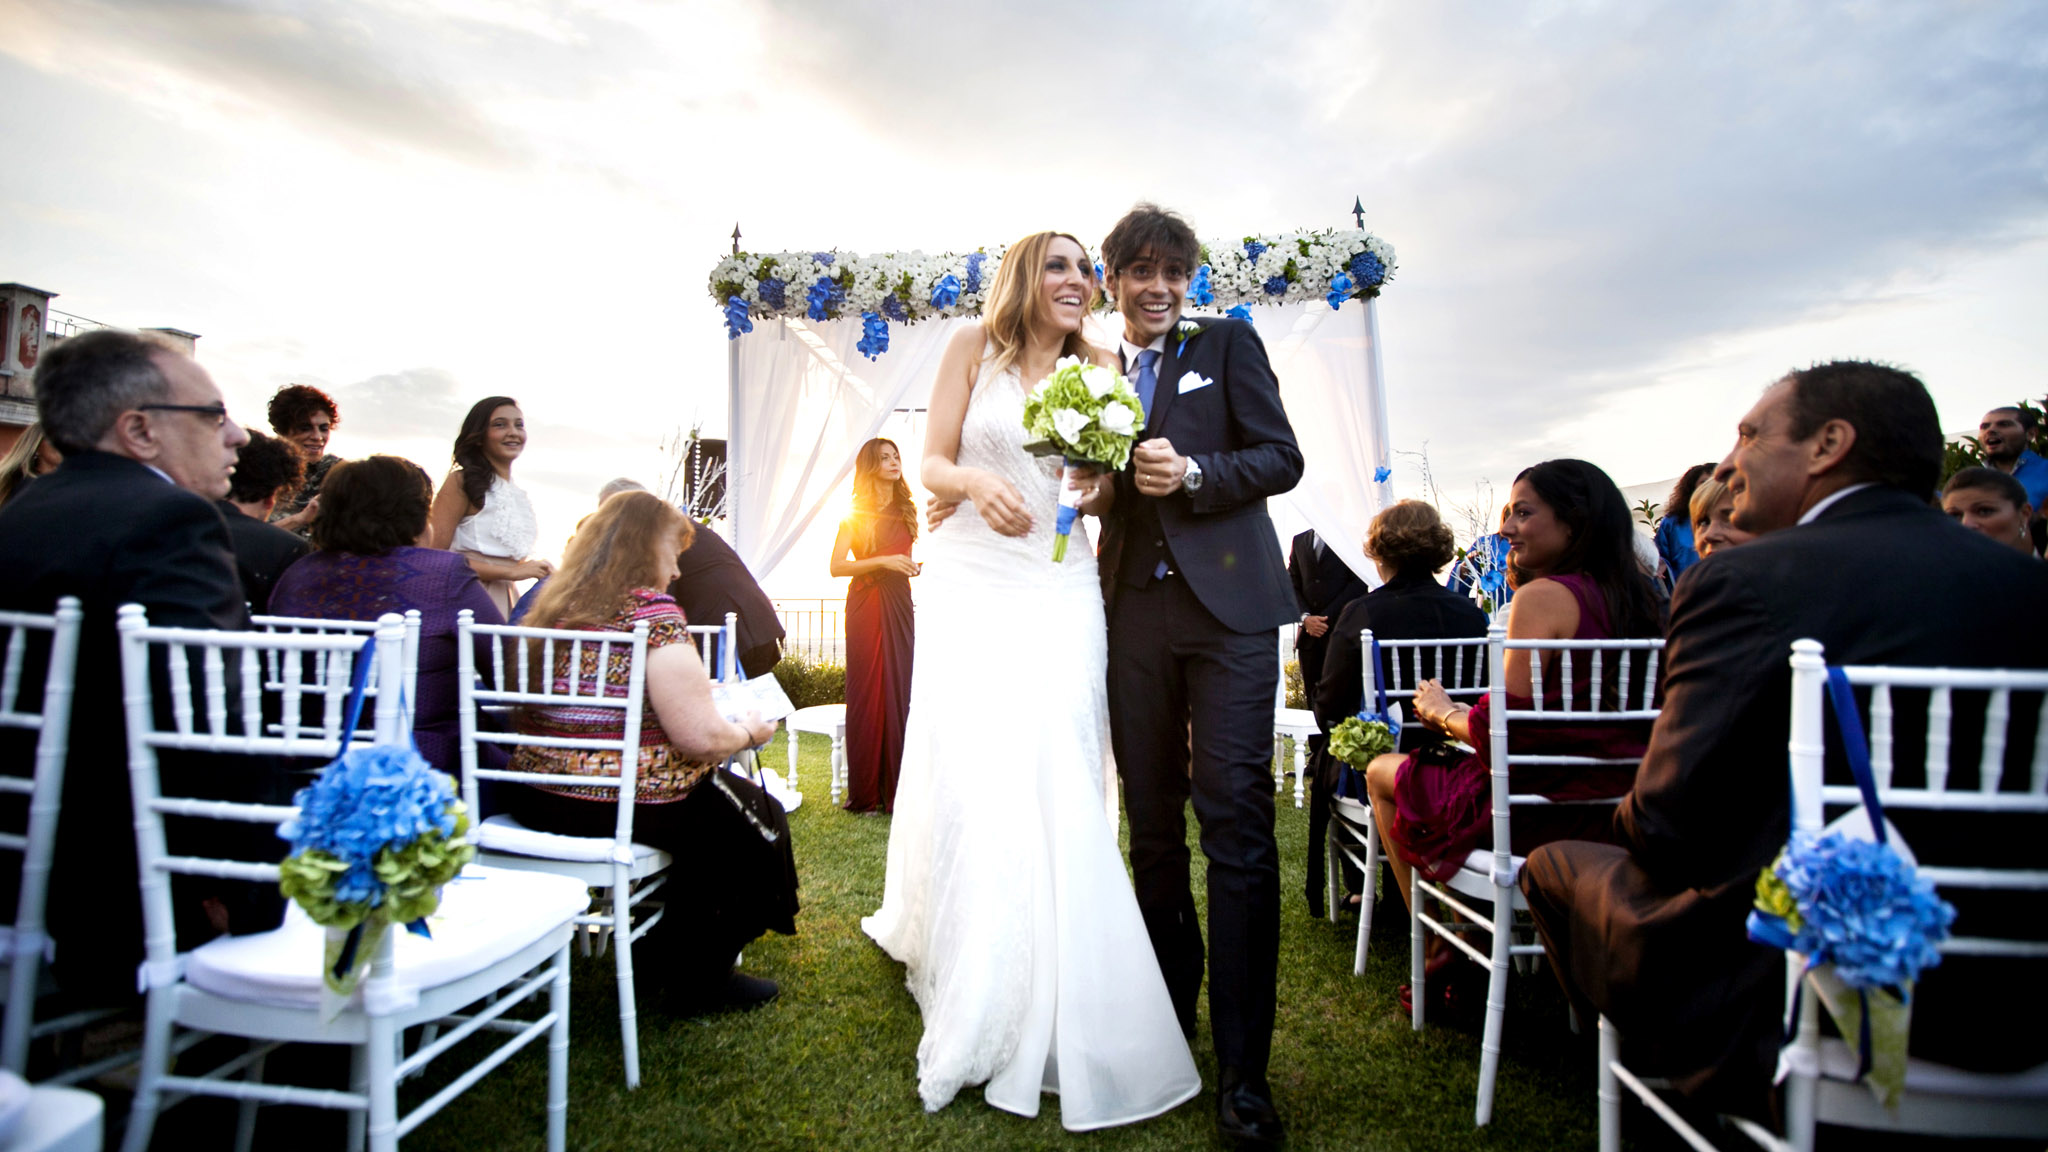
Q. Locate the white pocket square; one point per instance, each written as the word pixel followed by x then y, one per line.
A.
pixel 1192 381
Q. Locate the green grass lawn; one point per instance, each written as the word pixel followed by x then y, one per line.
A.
pixel 832 1063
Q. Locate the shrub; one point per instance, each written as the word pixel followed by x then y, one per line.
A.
pixel 807 684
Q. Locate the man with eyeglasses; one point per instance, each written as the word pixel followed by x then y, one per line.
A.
pixel 128 517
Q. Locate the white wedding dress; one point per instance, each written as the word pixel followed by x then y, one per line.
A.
pixel 1007 898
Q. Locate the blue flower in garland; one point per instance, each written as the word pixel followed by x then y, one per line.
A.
pixel 1381 474
pixel 1275 286
pixel 820 298
pixel 773 294
pixel 874 338
pixel 892 307
pixel 1100 275
pixel 946 292
pixel 1240 312
pixel 1368 269
pixel 736 320
pixel 1340 291
pixel 822 257
pixel 1253 250
pixel 1199 291
pixel 974 262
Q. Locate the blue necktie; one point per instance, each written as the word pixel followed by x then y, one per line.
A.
pixel 1148 383
pixel 1148 379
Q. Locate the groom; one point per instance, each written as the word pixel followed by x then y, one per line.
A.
pixel 1195 588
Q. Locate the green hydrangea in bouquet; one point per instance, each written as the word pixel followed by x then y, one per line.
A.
pixel 1085 414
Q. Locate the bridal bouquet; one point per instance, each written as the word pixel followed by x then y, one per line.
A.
pixel 1866 924
pixel 1085 414
pixel 376 837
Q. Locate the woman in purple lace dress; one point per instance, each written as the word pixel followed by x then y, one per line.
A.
pixel 367 561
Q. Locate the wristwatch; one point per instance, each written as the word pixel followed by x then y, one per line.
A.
pixel 1191 480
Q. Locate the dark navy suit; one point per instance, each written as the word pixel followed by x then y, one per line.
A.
pixel 1193 662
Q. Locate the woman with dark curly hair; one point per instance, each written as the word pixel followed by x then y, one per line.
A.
pixel 873 547
pixel 479 512
pixel 1409 544
pixel 1572 561
pixel 369 561
pixel 305 416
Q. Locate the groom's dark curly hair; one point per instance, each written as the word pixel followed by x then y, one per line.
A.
pixel 1149 229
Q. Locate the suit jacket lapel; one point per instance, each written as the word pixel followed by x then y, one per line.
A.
pixel 1169 384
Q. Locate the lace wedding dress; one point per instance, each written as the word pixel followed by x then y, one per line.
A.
pixel 1007 899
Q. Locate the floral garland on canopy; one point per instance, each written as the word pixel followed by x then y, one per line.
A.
pixel 906 287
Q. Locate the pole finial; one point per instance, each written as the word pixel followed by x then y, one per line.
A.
pixel 736 237
pixel 1357 212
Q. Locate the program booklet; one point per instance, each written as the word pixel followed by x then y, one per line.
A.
pixel 762 694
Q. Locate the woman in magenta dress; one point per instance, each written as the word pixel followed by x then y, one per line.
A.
pixel 874 548
pixel 1573 565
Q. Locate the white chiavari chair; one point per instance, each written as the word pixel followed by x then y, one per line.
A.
pixel 499 936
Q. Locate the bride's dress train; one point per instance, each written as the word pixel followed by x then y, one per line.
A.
pixel 1007 898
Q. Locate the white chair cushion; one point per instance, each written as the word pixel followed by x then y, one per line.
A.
pixel 504 834
pixel 486 915
pixel 1295 722
pixel 1838 1062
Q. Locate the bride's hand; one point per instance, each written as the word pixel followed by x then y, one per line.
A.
pixel 1000 506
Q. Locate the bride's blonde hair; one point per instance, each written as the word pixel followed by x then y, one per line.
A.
pixel 1015 305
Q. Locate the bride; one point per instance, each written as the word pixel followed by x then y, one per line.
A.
pixel 1007 900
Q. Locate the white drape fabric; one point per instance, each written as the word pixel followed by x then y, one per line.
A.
pixel 803 400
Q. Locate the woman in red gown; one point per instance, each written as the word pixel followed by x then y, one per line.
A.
pixel 879 623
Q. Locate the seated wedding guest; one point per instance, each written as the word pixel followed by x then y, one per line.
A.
pixel 305 416
pixel 479 512
pixel 1713 526
pixel 1409 543
pixel 2006 434
pixel 368 561
pixel 1323 585
pixel 1482 572
pixel 737 884
pixel 265 468
pixel 31 456
pixel 1992 503
pixel 1831 468
pixel 128 517
pixel 1676 550
pixel 1572 562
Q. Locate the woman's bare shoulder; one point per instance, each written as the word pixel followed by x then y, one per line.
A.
pixel 1543 609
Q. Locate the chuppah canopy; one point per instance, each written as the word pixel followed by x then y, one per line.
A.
pixel 827 346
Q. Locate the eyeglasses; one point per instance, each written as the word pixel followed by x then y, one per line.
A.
pixel 219 412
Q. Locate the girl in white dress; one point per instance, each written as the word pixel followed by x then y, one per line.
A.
pixel 479 512
pixel 1007 899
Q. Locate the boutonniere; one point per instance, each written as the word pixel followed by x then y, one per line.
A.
pixel 1187 330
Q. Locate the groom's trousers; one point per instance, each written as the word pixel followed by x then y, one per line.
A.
pixel 1182 683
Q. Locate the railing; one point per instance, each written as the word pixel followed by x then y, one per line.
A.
pixel 816 629
pixel 65 324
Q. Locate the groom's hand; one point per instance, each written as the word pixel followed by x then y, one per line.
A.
pixel 1159 467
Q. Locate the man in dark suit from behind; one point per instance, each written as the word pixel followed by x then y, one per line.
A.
pixel 128 517
pixel 714 581
pixel 265 467
pixel 1324 585
pixel 1835 463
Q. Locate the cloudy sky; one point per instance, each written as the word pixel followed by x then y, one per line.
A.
pixel 1616 221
